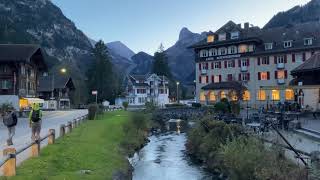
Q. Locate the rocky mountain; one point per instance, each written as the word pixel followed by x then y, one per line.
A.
pixel 143 62
pixel 120 49
pixel 297 14
pixel 181 58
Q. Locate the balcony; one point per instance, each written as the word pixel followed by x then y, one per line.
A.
pixel 281 81
pixel 204 71
pixel 280 65
pixel 244 68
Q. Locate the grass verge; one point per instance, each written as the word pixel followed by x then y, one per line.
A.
pixel 95 146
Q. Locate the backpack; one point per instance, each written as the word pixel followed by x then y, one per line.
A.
pixel 14 118
pixel 8 120
pixel 35 116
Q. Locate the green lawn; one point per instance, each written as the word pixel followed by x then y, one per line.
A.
pixel 94 146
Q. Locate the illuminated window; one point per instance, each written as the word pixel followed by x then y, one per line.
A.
pixel 233 96
pixel 210 39
pixel 223 95
pixel 262 95
pixel 222 36
pixel 289 95
pixel 281 74
pixel 202 96
pixel 212 96
pixel 246 95
pixel 243 48
pixel 203 79
pixel 275 95
pixel 264 75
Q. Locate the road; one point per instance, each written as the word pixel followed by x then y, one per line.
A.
pixel 51 120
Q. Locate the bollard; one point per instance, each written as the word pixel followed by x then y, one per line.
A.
pixel 52 136
pixel 78 122
pixel 35 149
pixel 74 125
pixel 62 130
pixel 9 167
pixel 69 127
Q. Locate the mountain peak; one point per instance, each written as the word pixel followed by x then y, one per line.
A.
pixel 121 49
pixel 184 33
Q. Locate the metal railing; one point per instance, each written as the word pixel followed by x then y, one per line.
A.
pixel 8 163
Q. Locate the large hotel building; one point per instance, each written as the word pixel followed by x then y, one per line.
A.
pixel 257 60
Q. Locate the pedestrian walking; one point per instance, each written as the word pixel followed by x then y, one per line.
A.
pixel 35 120
pixel 10 120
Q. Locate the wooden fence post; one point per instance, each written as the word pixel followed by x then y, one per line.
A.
pixel 9 167
pixel 62 130
pixel 69 127
pixel 35 149
pixel 74 124
pixel 52 136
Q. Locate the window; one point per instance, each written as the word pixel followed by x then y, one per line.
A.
pixel 212 96
pixel 287 44
pixel 205 66
pixel 141 91
pixel 223 95
pixel 230 64
pixel 233 96
pixel 243 48
pixel 246 95
pixel 6 84
pixel 244 62
pixel 232 50
pixel 213 52
pixel 289 95
pixel 275 95
pixel 23 70
pixel 265 60
pixel 280 74
pixel 203 53
pixel 210 38
pixel 262 95
pixel 264 76
pixel 216 79
pixel 4 69
pixel 216 65
pixel 222 36
pixel 308 41
pixel 222 51
pixel 268 46
pixel 245 76
pixel 229 77
pixel 280 59
pixel 251 48
pixel 202 96
pixel 235 35
pixel 203 79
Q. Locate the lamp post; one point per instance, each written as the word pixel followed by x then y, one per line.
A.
pixel 178 83
pixel 62 71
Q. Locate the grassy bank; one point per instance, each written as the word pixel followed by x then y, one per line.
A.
pixel 94 146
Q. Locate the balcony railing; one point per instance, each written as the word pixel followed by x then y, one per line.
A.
pixel 244 68
pixel 280 66
pixel 281 81
pixel 204 71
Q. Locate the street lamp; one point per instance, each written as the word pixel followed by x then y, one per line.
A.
pixel 178 83
pixel 63 71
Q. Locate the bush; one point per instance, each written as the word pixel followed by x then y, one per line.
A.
pixel 125 105
pixel 196 105
pixel 235 108
pixel 150 106
pixel 176 105
pixel 92 111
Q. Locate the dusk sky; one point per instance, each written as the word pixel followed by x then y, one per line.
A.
pixel 143 24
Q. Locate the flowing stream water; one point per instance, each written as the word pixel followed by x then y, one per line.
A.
pixel 164 158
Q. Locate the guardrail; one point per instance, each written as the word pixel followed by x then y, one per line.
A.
pixel 9 164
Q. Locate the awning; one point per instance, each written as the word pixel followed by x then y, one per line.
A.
pixel 229 85
pixel 34 100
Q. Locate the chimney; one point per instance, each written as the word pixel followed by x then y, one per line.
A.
pixel 246 25
pixel 239 25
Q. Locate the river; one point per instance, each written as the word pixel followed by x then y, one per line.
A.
pixel 164 158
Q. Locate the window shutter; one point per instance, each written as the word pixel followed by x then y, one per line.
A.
pixel 259 61
pixel 207 66
pixel 268 75
pixel 233 63
pixel 207 79
pixel 200 66
pixel 276 74
pixel 212 78
pixel 200 79
pixel 229 77
pixel 248 62
pixel 268 60
pixel 293 58
pixel 248 76
pixel 239 77
pixel 275 60
pixel 220 65
pixel 286 74
pixel 225 64
pixel 220 78
pixel 285 59
pixel 212 65
pixel 304 56
pixel 259 76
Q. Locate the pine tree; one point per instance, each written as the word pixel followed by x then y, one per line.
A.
pixel 160 64
pixel 101 76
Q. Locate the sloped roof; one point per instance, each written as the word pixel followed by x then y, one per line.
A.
pixel 60 82
pixel 235 85
pixel 313 63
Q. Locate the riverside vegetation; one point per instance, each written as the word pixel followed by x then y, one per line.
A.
pixel 226 149
pixel 97 149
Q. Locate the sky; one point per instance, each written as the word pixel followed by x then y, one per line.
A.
pixel 143 24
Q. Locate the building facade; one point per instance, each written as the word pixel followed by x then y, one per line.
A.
pixel 20 68
pixel 260 60
pixel 147 88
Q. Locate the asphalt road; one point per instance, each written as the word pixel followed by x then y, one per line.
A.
pixel 50 120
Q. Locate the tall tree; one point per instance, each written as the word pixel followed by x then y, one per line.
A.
pixel 160 64
pixel 101 77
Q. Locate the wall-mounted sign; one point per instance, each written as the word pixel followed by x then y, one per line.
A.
pixel 223 57
pixel 94 92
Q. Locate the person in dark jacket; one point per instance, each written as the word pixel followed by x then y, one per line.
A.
pixel 10 120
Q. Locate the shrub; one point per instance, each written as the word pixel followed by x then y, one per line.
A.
pixel 150 106
pixel 125 105
pixel 196 105
pixel 176 105
pixel 92 111
pixel 235 108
